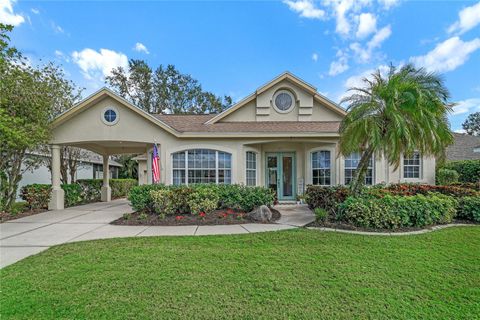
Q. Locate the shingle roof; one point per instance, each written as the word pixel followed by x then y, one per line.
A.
pixel 463 147
pixel 196 123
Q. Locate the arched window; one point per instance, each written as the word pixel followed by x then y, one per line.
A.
pixel 351 164
pixel 321 173
pixel 202 166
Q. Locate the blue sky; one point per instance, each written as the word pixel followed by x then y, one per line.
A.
pixel 233 47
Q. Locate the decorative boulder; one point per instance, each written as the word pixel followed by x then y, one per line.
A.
pixel 261 213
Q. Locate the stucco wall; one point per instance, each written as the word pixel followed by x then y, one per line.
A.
pixel 305 109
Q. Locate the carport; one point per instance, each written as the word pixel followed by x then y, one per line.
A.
pixel 108 125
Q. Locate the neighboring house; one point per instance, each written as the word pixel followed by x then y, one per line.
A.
pixel 464 147
pixel 89 167
pixel 284 136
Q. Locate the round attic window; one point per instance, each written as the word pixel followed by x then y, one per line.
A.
pixel 283 101
pixel 110 116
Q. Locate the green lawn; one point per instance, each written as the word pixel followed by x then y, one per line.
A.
pixel 289 274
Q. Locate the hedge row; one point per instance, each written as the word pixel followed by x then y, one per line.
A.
pixel 37 196
pixel 378 207
pixel 391 212
pixel 468 170
pixel 162 199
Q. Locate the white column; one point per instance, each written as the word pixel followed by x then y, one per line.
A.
pixel 149 166
pixel 58 195
pixel 106 190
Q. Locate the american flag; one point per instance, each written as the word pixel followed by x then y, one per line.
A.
pixel 155 165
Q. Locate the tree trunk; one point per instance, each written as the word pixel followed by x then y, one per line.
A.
pixel 359 178
pixel 13 178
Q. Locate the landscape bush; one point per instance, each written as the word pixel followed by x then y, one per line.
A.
pixel 91 189
pixel 447 176
pixel 469 170
pixel 199 198
pixel 326 197
pixel 83 191
pixel 36 195
pixel 121 187
pixel 73 194
pixel 410 189
pixel 469 208
pixel 203 200
pixel 391 212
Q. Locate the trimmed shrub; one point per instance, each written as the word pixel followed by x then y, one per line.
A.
pixel 73 194
pixel 327 198
pixel 447 176
pixel 226 196
pixel 410 189
pixel 121 187
pixel 91 189
pixel 469 170
pixel 203 200
pixel 36 195
pixel 468 185
pixel 469 208
pixel 391 212
pixel 140 197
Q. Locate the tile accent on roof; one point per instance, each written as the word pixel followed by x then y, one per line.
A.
pixel 196 123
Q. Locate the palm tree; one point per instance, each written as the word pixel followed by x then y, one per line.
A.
pixel 399 113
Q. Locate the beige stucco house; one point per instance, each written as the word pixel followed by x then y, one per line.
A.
pixel 284 135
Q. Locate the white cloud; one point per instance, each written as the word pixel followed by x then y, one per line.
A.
pixel 364 53
pixel 315 57
pixel 469 18
pixel 356 81
pixel 98 64
pixel 387 4
pixel 35 11
pixel 462 131
pixel 56 27
pixel 340 65
pixel 367 24
pixel 448 55
pixel 467 106
pixel 341 8
pixel 7 16
pixel 306 9
pixel 140 47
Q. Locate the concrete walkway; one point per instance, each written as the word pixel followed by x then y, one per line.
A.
pixel 27 236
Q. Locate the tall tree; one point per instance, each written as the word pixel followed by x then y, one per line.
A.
pixel 472 124
pixel 29 97
pixel 165 90
pixel 399 113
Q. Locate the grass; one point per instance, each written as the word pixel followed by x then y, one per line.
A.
pixel 289 274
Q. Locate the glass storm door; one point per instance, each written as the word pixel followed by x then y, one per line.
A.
pixel 280 171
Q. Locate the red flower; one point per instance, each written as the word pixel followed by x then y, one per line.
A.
pixel 230 211
pixel 202 214
pixel 179 217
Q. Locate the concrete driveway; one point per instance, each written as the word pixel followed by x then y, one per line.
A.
pixel 27 236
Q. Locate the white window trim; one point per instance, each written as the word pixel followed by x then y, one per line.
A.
pixel 216 165
pixel 420 170
pixel 289 92
pixel 330 168
pixel 373 170
pixel 308 164
pixel 257 155
pixel 102 116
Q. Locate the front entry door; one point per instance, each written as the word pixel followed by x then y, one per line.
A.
pixel 280 170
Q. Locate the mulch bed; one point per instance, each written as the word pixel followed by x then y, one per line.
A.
pixel 346 226
pixel 5 216
pixel 217 217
